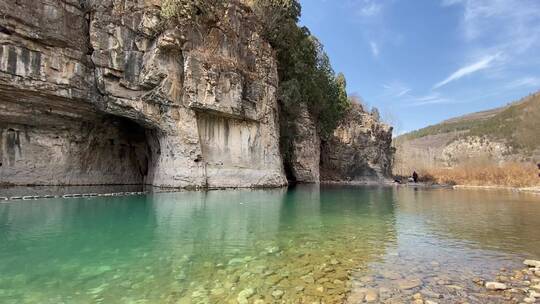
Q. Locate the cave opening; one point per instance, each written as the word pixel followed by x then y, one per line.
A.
pixel 134 144
pixel 91 149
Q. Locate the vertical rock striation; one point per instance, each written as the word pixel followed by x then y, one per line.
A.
pixel 306 149
pixel 112 96
pixel 359 150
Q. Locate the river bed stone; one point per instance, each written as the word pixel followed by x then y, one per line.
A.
pixel 496 286
pixel 409 284
pixel 532 263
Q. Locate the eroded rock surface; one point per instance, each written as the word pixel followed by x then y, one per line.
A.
pixel 473 148
pixel 99 92
pixel 306 154
pixel 360 149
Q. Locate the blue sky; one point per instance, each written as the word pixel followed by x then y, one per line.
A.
pixel 423 61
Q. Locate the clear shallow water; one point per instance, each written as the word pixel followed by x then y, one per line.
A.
pixel 299 245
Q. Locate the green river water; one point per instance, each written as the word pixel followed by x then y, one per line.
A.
pixel 306 244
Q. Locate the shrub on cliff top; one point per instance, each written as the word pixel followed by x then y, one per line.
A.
pixel 305 73
pixel 186 11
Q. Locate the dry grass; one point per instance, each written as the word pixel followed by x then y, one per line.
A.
pixel 508 174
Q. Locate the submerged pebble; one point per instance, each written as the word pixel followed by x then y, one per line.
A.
pixel 532 263
pixel 277 294
pixel 409 284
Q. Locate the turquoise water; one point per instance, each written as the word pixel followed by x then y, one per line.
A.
pixel 299 245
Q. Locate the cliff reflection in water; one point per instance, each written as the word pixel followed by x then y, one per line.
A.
pixel 223 223
pixel 168 246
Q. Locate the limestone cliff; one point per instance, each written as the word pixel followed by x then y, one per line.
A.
pixel 306 149
pixel 105 92
pixel 99 92
pixel 360 149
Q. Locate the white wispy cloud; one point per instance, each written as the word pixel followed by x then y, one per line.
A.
pixel 451 2
pixel 400 94
pixel 370 8
pixel 526 82
pixel 365 8
pixel 395 89
pixel 506 25
pixel 432 98
pixel 481 64
pixel 374 48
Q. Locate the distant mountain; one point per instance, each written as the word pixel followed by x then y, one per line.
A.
pixel 511 132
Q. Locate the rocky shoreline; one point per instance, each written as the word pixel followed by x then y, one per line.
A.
pixel 433 286
pixel 518 189
pixel 518 286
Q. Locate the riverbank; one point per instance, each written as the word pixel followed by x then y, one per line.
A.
pixel 431 284
pixel 509 175
pixel 365 182
pixel 428 181
pixel 518 286
pixel 431 185
pixel 535 190
pixel 518 189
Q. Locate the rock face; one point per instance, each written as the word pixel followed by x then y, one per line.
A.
pixel 474 148
pixel 306 147
pixel 99 92
pixel 105 150
pixel 448 150
pixel 502 135
pixel 360 149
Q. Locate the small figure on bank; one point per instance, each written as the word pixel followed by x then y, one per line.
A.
pixel 415 177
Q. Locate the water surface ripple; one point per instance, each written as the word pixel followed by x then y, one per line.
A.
pixel 307 244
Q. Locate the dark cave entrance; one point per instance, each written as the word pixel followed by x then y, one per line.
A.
pixel 53 146
pixel 134 145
